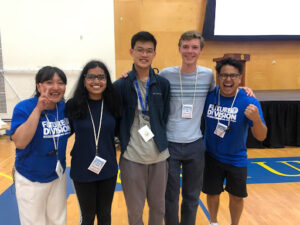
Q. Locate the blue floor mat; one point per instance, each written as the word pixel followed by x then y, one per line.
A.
pixel 260 170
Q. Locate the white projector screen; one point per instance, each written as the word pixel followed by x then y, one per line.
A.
pixel 252 19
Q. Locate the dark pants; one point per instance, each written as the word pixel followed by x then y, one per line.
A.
pixel 192 180
pixel 95 198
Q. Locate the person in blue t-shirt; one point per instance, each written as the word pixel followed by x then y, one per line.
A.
pixel 40 132
pixel 228 114
pixel 93 112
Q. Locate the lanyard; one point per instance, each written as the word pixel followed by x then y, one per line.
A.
pixel 144 107
pixel 55 142
pixel 96 136
pixel 194 88
pixel 219 104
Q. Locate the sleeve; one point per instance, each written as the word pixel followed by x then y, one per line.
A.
pixel 71 126
pixel 166 102
pixel 205 108
pixel 117 128
pixel 260 111
pixel 255 102
pixel 166 97
pixel 118 84
pixel 161 73
pixel 212 82
pixel 202 124
pixel 209 97
pixel 20 115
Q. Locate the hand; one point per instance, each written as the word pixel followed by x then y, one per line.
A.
pixel 251 112
pixel 249 91
pixel 125 74
pixel 43 101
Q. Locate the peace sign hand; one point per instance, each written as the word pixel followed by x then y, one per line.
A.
pixel 43 101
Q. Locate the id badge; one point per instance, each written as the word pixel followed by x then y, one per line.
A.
pixel 59 170
pixel 146 133
pixel 187 111
pixel 220 130
pixel 97 164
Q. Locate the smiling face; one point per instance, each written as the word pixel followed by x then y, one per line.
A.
pixel 93 84
pixel 54 88
pixel 229 80
pixel 190 51
pixel 143 54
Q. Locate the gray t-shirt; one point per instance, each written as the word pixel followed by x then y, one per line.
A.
pixel 138 150
pixel 182 130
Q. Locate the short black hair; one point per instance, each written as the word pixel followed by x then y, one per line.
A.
pixel 143 36
pixel 47 73
pixel 229 61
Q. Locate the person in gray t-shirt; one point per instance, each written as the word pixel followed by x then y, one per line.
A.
pixel 189 86
pixel 144 146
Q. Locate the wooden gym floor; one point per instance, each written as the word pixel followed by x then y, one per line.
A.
pixel 267 203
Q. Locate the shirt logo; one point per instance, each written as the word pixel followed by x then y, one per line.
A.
pixel 222 113
pixel 56 129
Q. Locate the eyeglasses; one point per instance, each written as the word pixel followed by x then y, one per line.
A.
pixel 93 77
pixel 141 51
pixel 231 75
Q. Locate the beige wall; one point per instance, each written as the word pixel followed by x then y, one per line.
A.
pixel 273 64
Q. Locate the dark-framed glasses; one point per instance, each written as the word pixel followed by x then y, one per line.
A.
pixel 230 75
pixel 93 77
pixel 142 50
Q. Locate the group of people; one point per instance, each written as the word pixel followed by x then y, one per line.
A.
pixel 157 118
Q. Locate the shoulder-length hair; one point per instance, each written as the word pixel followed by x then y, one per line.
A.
pixel 76 107
pixel 47 73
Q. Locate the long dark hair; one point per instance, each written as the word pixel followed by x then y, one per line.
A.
pixel 76 107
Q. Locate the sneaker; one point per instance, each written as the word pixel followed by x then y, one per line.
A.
pixel 213 223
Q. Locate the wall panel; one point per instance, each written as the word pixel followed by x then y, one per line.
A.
pixel 273 64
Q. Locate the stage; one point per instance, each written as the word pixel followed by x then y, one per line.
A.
pixel 281 109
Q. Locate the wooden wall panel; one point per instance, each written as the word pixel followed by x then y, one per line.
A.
pixel 166 19
pixel 273 64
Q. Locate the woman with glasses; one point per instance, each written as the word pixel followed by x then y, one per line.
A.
pixel 93 112
pixel 40 132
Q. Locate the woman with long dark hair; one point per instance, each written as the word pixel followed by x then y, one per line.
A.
pixel 93 112
pixel 40 132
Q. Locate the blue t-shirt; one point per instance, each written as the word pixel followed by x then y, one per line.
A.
pixel 84 149
pixel 230 149
pixel 34 162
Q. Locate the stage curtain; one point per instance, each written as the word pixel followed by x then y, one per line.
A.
pixel 283 122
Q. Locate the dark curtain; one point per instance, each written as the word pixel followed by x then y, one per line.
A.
pixel 283 122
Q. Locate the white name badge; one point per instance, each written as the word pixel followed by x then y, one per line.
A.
pixel 187 111
pixel 59 170
pixel 97 164
pixel 146 133
pixel 220 130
